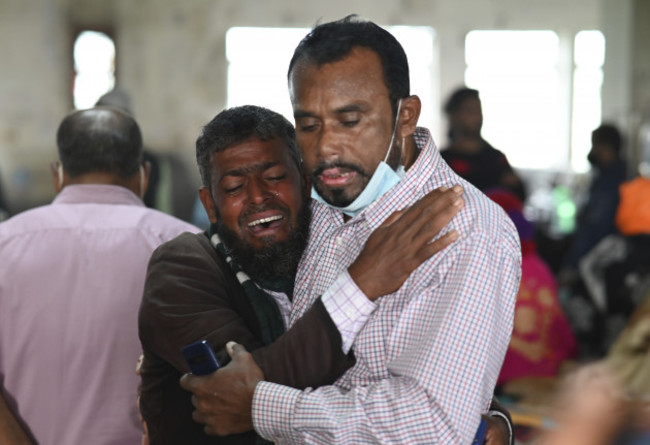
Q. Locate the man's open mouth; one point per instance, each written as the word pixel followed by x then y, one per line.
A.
pixel 333 177
pixel 269 222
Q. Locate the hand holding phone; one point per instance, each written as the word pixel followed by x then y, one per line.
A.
pixel 200 358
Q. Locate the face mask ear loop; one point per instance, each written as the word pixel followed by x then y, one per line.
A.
pixel 392 138
pixel 59 173
pixel 142 190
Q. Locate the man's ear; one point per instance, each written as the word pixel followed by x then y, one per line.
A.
pixel 144 180
pixel 409 115
pixel 208 203
pixel 57 176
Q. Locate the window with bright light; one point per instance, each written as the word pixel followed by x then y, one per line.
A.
pixel 589 58
pixel 517 75
pixel 538 113
pixel 94 63
pixel 258 59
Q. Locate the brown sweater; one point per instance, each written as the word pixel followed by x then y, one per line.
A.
pixel 192 294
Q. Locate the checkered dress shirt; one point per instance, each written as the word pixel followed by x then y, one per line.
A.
pixel 429 355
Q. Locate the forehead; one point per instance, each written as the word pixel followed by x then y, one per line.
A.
pixel 250 156
pixel 358 74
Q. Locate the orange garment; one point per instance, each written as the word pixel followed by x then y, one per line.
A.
pixel 633 213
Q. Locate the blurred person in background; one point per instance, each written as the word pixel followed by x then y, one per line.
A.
pixel 70 287
pixel 471 156
pixel 542 338
pixel 597 217
pixel 593 248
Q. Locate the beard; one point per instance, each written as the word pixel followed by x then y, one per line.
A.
pixel 275 260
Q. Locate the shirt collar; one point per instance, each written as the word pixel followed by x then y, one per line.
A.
pixel 97 194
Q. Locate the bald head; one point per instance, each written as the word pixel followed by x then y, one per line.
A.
pixel 100 140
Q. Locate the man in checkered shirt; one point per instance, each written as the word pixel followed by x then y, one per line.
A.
pixel 429 354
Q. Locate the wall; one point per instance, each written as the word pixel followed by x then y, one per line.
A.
pixel 171 58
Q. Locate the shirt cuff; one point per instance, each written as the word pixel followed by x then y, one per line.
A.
pixel 348 307
pixel 273 410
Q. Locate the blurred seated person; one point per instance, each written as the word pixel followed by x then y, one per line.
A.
pixel 471 156
pixel 542 338
pixel 631 263
pixel 581 276
pixel 597 217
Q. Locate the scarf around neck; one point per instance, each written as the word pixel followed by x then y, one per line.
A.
pixel 266 309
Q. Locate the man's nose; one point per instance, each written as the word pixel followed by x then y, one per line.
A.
pixel 258 191
pixel 328 146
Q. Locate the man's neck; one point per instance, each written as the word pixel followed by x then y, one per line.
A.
pixel 469 145
pixel 99 178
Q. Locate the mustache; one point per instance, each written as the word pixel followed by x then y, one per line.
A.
pixel 320 168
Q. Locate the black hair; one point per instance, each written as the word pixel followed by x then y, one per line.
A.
pixel 457 98
pixel 100 139
pixel 333 41
pixel 235 125
pixel 608 135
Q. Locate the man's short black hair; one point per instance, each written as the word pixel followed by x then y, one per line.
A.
pixel 608 135
pixel 100 139
pixel 235 125
pixel 457 98
pixel 333 41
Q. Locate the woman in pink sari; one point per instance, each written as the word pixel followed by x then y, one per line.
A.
pixel 542 338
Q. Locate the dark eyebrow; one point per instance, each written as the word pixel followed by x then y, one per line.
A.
pixel 300 113
pixel 350 108
pixel 250 169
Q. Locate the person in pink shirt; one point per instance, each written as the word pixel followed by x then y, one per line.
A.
pixel 71 283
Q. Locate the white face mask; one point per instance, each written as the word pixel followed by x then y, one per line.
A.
pixel 382 180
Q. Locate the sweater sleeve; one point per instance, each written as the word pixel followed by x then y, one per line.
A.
pixel 190 294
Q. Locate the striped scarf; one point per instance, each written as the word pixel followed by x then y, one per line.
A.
pixel 266 309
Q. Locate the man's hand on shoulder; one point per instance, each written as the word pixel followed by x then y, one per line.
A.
pixel 224 399
pixel 404 241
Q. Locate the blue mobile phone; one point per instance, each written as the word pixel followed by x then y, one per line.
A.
pixel 200 358
pixel 480 433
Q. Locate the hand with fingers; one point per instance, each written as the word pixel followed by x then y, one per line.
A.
pixel 224 399
pixel 404 241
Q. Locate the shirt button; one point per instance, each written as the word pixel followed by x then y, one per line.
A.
pixel 339 241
